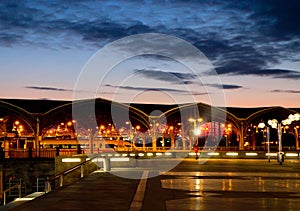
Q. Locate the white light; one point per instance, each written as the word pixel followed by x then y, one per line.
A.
pixel 98 160
pixel 168 153
pixel 197 132
pixel 124 155
pixel 273 123
pixel 271 154
pixel 131 154
pixel 117 155
pixel 141 154
pixel 251 154
pixel 232 154
pixel 158 154
pixel 291 154
pixel 291 117
pixel 109 155
pixel 149 154
pixel 286 122
pixel 24 199
pixel 70 160
pixel 213 153
pixel 119 159
pixel 261 125
pixel 192 153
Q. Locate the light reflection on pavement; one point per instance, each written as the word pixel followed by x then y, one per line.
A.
pixel 233 190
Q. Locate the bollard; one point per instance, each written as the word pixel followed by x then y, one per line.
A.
pixel 81 171
pixel 106 164
pixel 47 186
pixel 280 157
pixel 19 191
pixel 4 198
pixel 61 180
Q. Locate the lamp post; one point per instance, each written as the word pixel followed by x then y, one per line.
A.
pixel 154 124
pixel 262 125
pixel 274 123
pixel 130 134
pixel 196 131
pixel 228 131
pixel 136 130
pixel 297 137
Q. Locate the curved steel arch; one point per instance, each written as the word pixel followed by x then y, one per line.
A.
pixel 27 117
pixel 281 113
pixel 139 115
pixel 218 111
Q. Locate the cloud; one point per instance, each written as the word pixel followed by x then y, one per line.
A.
pixel 48 88
pixel 172 77
pixel 240 37
pixel 225 86
pixel 157 89
pixel 286 91
pixel 253 69
pixel 278 19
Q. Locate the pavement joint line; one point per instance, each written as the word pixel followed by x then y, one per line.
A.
pixel 137 201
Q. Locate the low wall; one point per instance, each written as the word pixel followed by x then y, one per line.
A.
pixel 208 153
pixel 127 160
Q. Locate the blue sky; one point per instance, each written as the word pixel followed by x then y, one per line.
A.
pixel 253 46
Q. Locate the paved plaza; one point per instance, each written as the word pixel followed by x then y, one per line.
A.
pixel 192 185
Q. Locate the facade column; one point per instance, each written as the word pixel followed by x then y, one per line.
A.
pixel 91 142
pixel 241 145
pixel 220 132
pixel 6 148
pixel 154 138
pixel 144 141
pixel 37 137
pixel 154 120
pixel 297 138
pixel 183 138
pixel 172 141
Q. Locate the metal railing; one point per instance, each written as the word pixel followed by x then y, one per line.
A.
pixel 64 173
pixel 9 189
pixel 52 153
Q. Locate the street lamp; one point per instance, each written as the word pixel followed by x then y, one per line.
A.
pixel 228 131
pixel 137 128
pixel 262 125
pixel 274 123
pixel 196 131
pixel 130 134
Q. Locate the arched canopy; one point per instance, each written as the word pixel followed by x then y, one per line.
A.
pixel 93 112
pixel 13 113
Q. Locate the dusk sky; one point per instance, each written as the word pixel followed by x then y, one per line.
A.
pixel 253 46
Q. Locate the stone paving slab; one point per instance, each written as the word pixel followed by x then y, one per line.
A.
pixel 98 191
pixel 192 185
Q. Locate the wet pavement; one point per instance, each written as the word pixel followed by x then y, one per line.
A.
pixel 213 185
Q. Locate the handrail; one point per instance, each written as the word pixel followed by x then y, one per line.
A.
pixel 9 189
pixel 62 174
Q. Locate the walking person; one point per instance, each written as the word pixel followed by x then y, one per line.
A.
pixel 196 149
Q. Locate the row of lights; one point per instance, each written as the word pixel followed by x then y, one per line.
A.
pixel 124 156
